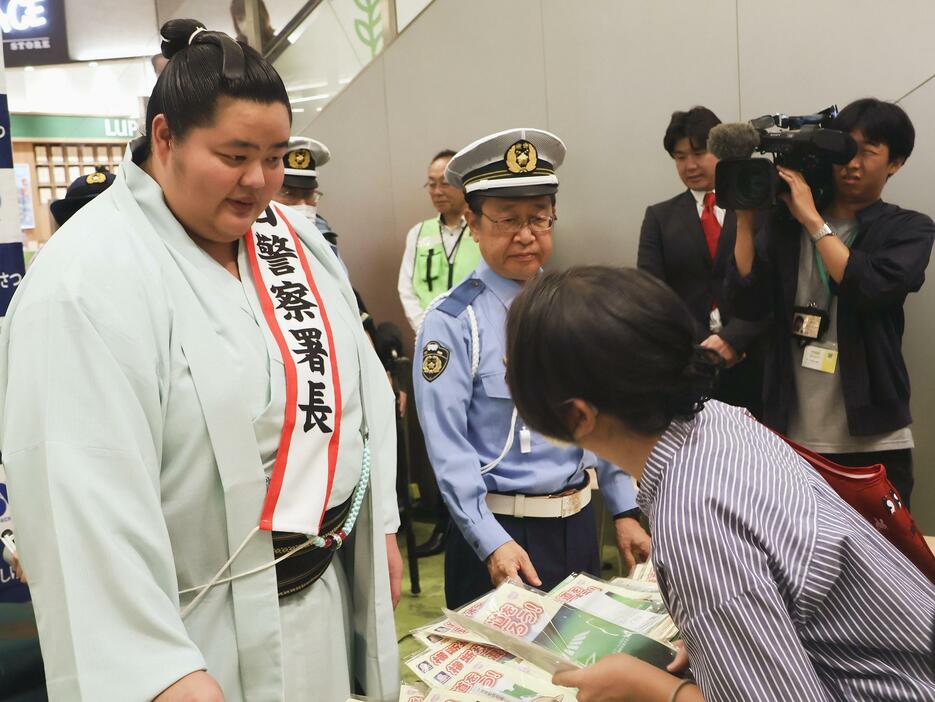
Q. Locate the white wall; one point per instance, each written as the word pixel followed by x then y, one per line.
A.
pixel 86 88
pixel 105 29
pixel 605 76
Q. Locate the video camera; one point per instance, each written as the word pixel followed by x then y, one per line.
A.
pixel 803 143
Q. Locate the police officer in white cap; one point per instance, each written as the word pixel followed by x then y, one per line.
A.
pixel 300 191
pixel 300 183
pixel 520 505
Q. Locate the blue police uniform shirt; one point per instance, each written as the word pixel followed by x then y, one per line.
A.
pixel 466 421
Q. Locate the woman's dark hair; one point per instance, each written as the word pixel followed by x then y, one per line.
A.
pixel 694 124
pixel 880 123
pixel 204 66
pixel 617 338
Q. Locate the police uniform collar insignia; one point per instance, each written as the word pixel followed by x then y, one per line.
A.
pixel 434 360
pixel 521 157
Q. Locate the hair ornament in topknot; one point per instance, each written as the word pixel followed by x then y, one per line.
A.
pixel 195 34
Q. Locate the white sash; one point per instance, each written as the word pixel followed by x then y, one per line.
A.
pixel 303 473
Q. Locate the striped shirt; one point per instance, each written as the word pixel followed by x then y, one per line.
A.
pixel 780 589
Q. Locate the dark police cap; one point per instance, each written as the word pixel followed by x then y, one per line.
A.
pixel 80 193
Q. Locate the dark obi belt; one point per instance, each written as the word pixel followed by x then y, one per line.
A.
pixel 304 567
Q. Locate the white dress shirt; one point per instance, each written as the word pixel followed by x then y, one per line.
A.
pixel 699 202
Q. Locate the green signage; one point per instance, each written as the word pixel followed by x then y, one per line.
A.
pixel 53 127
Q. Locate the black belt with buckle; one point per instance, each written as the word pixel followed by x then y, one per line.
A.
pixel 304 567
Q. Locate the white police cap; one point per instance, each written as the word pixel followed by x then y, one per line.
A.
pixel 302 161
pixel 513 163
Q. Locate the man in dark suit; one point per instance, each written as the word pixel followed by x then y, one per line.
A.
pixel 687 242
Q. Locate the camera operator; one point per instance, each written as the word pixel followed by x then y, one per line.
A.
pixel 833 283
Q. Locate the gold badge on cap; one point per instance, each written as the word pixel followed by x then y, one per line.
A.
pixel 96 178
pixel 434 360
pixel 521 157
pixel 300 159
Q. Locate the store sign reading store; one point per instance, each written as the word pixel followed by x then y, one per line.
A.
pixel 33 32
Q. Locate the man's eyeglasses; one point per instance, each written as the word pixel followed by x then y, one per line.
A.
pixel 511 226
pixel 310 197
pixel 437 185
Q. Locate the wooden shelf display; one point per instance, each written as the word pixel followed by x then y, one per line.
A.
pixel 59 149
pixel 53 168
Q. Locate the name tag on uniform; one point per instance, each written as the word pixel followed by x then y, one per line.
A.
pixel 714 321
pixel 525 440
pixel 820 357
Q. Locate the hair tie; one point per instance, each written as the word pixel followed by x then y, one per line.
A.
pixel 701 374
pixel 705 364
pixel 195 34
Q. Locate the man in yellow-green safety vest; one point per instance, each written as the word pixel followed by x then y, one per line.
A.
pixel 440 252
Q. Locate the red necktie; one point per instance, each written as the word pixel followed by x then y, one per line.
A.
pixel 709 223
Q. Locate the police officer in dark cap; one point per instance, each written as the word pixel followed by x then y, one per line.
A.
pixel 300 184
pixel 80 193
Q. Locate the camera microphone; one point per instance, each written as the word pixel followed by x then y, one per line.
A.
pixel 733 140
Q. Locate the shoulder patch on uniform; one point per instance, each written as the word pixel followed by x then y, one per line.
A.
pixel 434 360
pixel 462 296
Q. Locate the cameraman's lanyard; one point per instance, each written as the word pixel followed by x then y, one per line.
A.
pixel 818 356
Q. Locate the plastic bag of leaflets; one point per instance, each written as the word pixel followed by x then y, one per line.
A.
pixel 507 644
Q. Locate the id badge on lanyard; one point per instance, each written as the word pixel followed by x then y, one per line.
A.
pixel 810 323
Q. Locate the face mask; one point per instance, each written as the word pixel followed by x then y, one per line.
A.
pixel 309 211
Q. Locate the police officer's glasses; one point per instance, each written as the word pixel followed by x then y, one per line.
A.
pixel 310 197
pixel 511 226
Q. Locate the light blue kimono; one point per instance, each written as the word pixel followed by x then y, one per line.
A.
pixel 141 408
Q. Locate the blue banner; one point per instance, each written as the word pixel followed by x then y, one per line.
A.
pixel 6 145
pixel 12 270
